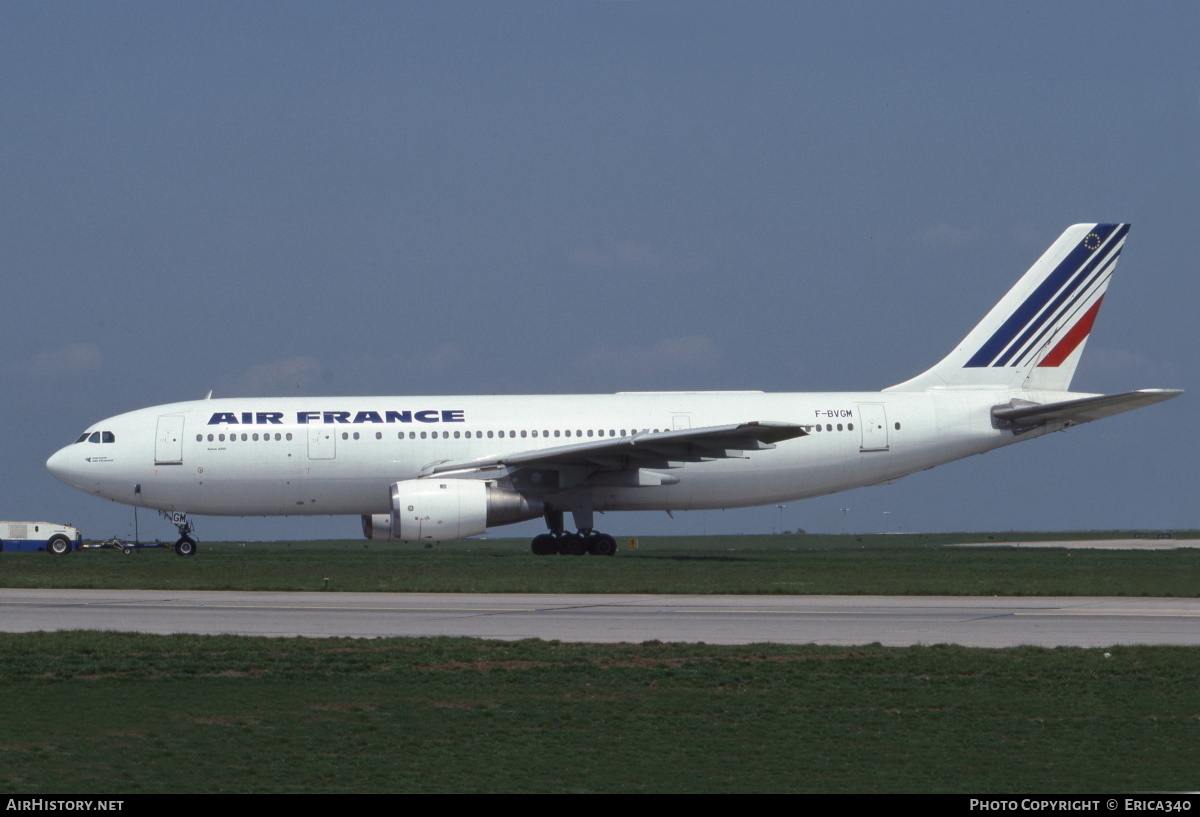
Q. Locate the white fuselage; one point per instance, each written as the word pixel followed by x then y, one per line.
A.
pixel 292 456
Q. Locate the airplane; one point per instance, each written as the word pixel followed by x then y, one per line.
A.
pixel 433 469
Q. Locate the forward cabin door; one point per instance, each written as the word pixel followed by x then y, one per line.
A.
pixel 168 440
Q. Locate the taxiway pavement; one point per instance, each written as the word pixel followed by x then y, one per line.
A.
pixel 835 620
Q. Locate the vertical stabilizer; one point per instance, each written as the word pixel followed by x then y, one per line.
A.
pixel 1033 338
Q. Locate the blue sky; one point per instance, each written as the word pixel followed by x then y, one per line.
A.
pixel 449 198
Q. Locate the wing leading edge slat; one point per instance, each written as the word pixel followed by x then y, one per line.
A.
pixel 639 450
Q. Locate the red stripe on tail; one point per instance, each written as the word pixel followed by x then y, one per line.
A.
pixel 1076 336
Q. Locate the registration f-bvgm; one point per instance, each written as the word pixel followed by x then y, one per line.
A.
pixel 420 469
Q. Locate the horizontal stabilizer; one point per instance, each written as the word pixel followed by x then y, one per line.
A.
pixel 1026 416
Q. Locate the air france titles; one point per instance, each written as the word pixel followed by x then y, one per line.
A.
pixel 332 417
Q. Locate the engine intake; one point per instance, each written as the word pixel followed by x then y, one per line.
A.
pixel 438 510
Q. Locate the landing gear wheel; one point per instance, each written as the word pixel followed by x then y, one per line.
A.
pixel 58 545
pixel 186 546
pixel 574 544
pixel 603 545
pixel 544 545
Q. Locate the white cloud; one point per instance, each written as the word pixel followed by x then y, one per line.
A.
pixel 74 358
pixel 441 359
pixel 689 353
pixel 280 376
pixel 946 235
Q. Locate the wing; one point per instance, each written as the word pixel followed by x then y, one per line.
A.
pixel 661 449
pixel 1021 418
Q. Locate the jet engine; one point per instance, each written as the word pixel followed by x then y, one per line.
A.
pixel 438 510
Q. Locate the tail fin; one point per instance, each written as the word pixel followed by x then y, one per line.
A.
pixel 1034 337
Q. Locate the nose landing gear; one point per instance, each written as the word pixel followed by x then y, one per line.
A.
pixel 185 545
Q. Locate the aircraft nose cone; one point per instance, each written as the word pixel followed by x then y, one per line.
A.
pixel 59 465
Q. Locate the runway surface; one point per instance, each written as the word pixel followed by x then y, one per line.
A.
pixel 1091 544
pixel 840 620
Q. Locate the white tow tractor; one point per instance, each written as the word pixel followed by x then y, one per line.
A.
pixel 30 537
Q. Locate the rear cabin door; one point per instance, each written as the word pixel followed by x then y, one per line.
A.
pixel 873 421
pixel 168 441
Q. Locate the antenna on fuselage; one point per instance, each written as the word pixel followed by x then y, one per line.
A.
pixel 209 395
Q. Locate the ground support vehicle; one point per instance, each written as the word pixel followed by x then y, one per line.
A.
pixel 30 537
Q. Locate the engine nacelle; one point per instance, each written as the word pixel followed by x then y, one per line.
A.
pixel 438 510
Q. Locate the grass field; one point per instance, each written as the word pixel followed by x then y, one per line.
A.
pixel 91 713
pixel 881 564
pixel 122 713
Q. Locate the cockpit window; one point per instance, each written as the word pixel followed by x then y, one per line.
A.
pixel 107 436
pixel 82 437
pixel 94 437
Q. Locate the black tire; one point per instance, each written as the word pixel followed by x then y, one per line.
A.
pixel 543 545
pixel 58 545
pixel 1 545
pixel 186 546
pixel 604 545
pixel 573 545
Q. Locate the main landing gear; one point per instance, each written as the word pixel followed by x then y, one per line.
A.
pixel 573 544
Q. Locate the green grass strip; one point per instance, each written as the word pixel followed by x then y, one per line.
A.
pixel 122 714
pixel 897 564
